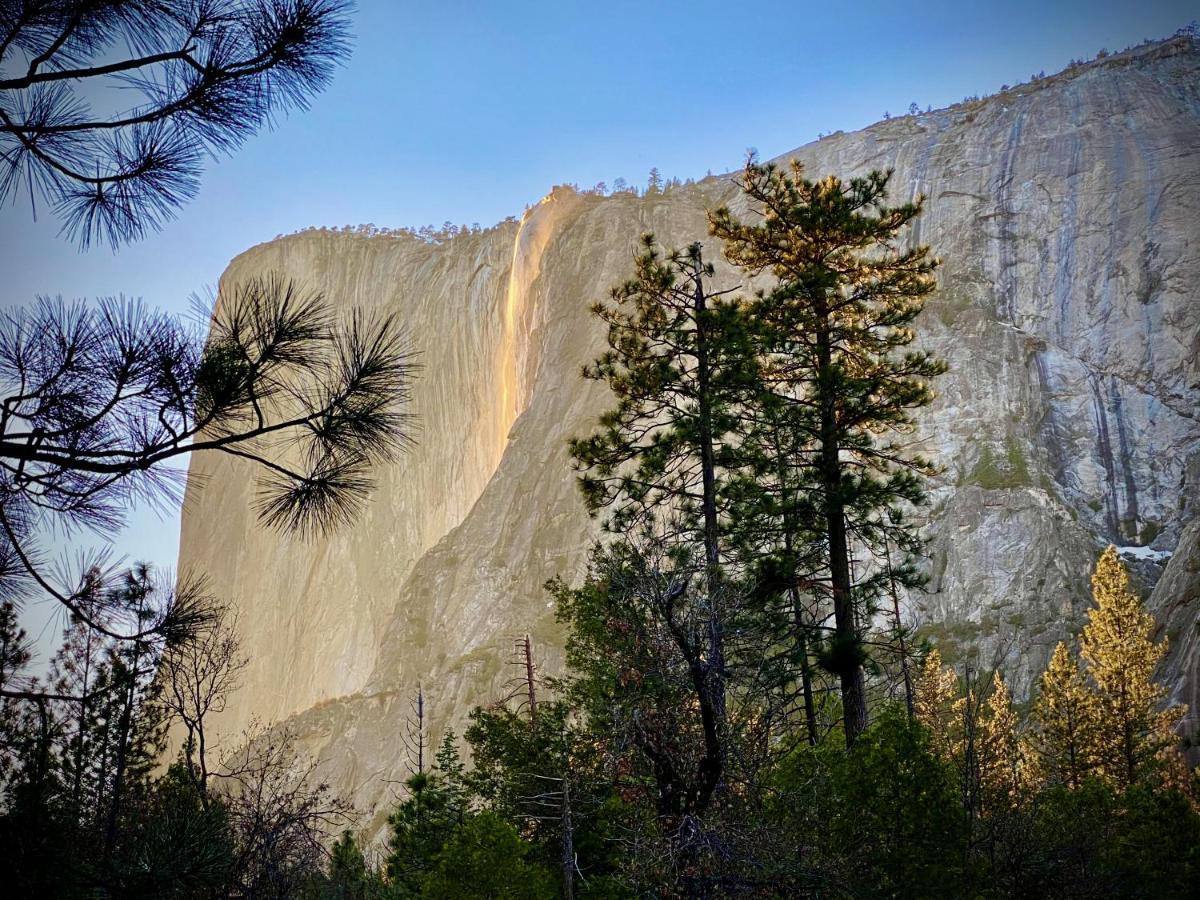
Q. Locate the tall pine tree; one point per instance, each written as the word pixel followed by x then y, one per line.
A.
pixel 1065 714
pixel 677 365
pixel 838 329
pixel 1132 734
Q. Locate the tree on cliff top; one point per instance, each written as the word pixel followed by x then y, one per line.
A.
pixel 206 74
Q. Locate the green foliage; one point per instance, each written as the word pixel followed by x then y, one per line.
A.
pixel 544 777
pixel 420 828
pixel 515 758
pixel 176 845
pixel 1094 842
pixel 838 381
pixel 679 359
pixel 485 858
pixel 348 876
pixel 991 474
pixel 636 648
pixel 881 820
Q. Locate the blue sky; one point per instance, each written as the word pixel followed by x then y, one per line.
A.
pixel 468 111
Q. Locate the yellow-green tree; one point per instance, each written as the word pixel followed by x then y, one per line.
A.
pixel 938 706
pixel 1005 770
pixel 1132 735
pixel 1065 714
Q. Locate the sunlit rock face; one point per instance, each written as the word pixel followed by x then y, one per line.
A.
pixel 1067 214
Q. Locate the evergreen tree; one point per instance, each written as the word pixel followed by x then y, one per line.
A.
pixel 420 828
pixel 636 641
pixel 173 844
pixel 1065 715
pixel 937 705
pixel 349 877
pixel 138 738
pixel 449 767
pixel 677 365
pixel 1005 773
pixel 838 327
pixel 14 658
pixel 773 535
pixel 1131 734
pixel 485 859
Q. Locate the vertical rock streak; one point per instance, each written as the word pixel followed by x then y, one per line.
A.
pixel 529 244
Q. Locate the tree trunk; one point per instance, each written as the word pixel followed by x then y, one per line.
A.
pixel 810 709
pixel 81 725
pixel 530 683
pixel 908 684
pixel 849 671
pixel 798 618
pixel 715 663
pixel 568 842
pixel 114 808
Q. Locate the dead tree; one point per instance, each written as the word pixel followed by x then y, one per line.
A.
pixel 415 732
pixel 523 687
pixel 198 677
pixel 281 815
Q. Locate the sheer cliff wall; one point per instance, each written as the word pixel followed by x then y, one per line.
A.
pixel 1067 214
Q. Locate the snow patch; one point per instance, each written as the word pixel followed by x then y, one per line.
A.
pixel 1145 553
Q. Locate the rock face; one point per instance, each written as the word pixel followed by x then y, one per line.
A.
pixel 1175 604
pixel 1066 213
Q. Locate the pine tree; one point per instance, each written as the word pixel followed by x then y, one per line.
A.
pixel 14 658
pixel 486 859
pixel 677 365
pixel 775 537
pixel 838 325
pixel 1118 645
pixel 936 704
pixel 349 877
pixel 420 827
pixel 1004 771
pixel 451 770
pixel 1065 714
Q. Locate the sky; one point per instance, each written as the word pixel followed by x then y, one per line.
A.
pixel 469 111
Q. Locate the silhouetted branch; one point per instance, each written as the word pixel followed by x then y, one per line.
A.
pixel 206 73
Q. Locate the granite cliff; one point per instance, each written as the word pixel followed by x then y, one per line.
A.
pixel 1067 214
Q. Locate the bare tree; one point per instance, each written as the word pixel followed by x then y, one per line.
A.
pixel 204 75
pixel 280 815
pixel 197 678
pixel 522 687
pixel 415 735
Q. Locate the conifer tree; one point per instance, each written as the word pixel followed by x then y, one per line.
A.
pixel 14 658
pixel 349 877
pixel 774 537
pixel 677 365
pixel 1004 771
pixel 936 704
pixel 1065 714
pixel 838 325
pixel 420 827
pixel 1118 645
